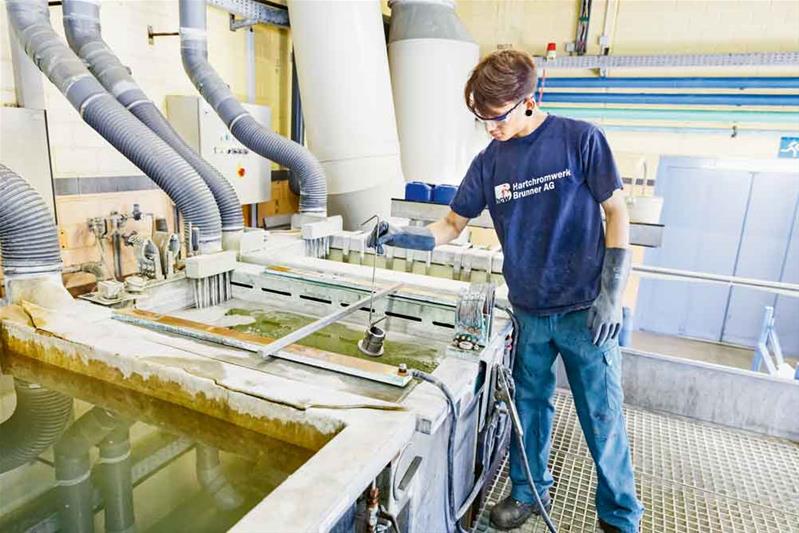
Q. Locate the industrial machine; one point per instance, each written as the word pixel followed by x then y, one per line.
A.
pixel 304 317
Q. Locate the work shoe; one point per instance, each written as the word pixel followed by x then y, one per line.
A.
pixel 511 513
pixel 608 528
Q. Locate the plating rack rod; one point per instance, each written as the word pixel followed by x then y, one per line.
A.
pixel 313 327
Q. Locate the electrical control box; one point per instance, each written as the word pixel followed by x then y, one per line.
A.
pixel 200 126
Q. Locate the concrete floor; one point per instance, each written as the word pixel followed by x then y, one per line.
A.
pixel 698 350
pixel 691 477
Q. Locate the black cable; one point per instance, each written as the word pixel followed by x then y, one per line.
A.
pixel 453 511
pixel 505 377
pixel 506 384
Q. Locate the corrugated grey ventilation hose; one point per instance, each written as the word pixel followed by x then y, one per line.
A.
pixel 31 23
pixel 39 420
pixel 194 51
pixel 29 244
pixel 28 237
pixel 83 31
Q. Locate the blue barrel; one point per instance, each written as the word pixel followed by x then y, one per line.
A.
pixel 417 191
pixel 443 194
pixel 626 335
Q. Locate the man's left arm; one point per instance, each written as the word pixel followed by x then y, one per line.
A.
pixel 605 315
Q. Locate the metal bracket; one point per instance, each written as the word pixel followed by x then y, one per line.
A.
pixel 151 34
pixel 253 13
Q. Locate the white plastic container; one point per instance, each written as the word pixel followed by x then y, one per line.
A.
pixel 342 67
pixel 431 56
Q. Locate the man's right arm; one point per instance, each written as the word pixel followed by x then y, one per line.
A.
pixel 448 228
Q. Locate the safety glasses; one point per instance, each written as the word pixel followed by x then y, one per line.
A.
pixel 501 118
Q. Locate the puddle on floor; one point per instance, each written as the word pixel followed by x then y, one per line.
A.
pixel 336 338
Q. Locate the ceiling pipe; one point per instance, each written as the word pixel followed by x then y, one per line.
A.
pixel 674 83
pixel 696 115
pixel 268 144
pixel 83 32
pixel 730 131
pixel 30 21
pixel 674 99
pixel 745 59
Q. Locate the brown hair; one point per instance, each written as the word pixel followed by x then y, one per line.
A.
pixel 500 77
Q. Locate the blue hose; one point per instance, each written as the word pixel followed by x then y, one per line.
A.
pixel 674 99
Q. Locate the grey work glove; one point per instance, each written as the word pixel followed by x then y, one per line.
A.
pixel 605 315
pixel 412 237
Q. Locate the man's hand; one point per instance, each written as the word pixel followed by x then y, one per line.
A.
pixel 412 237
pixel 605 315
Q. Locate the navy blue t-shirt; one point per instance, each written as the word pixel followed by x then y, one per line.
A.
pixel 543 192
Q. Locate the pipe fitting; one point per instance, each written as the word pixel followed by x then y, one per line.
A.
pixel 213 480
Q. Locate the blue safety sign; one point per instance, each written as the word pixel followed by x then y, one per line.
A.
pixel 789 147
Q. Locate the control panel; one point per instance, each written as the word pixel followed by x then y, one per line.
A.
pixel 249 173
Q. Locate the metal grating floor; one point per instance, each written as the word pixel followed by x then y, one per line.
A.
pixel 691 477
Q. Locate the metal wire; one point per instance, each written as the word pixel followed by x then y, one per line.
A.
pixel 692 477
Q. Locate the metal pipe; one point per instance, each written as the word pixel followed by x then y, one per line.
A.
pixel 117 246
pixel 676 82
pixel 674 99
pixel 116 480
pixel 729 131
pixel 73 468
pixel 297 122
pixel 670 60
pixel 213 480
pixel 786 289
pixel 697 115
pixel 323 322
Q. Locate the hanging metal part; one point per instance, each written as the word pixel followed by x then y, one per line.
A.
pixel 254 12
pixel 313 327
pixel 372 343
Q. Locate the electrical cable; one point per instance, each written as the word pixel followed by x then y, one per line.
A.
pixel 504 377
pixel 452 516
pixel 505 382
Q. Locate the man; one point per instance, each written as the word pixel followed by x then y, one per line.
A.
pixel 543 179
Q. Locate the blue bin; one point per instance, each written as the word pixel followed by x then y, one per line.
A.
pixel 443 194
pixel 417 191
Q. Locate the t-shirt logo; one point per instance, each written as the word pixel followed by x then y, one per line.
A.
pixel 502 193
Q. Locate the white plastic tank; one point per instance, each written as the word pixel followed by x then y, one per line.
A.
pixel 342 67
pixel 431 56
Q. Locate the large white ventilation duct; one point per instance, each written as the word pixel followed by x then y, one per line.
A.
pixel 342 67
pixel 431 56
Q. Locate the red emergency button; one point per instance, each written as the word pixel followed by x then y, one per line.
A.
pixel 241 172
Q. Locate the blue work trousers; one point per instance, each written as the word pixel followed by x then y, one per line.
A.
pixel 595 378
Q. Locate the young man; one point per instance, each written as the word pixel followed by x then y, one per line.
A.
pixel 543 179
